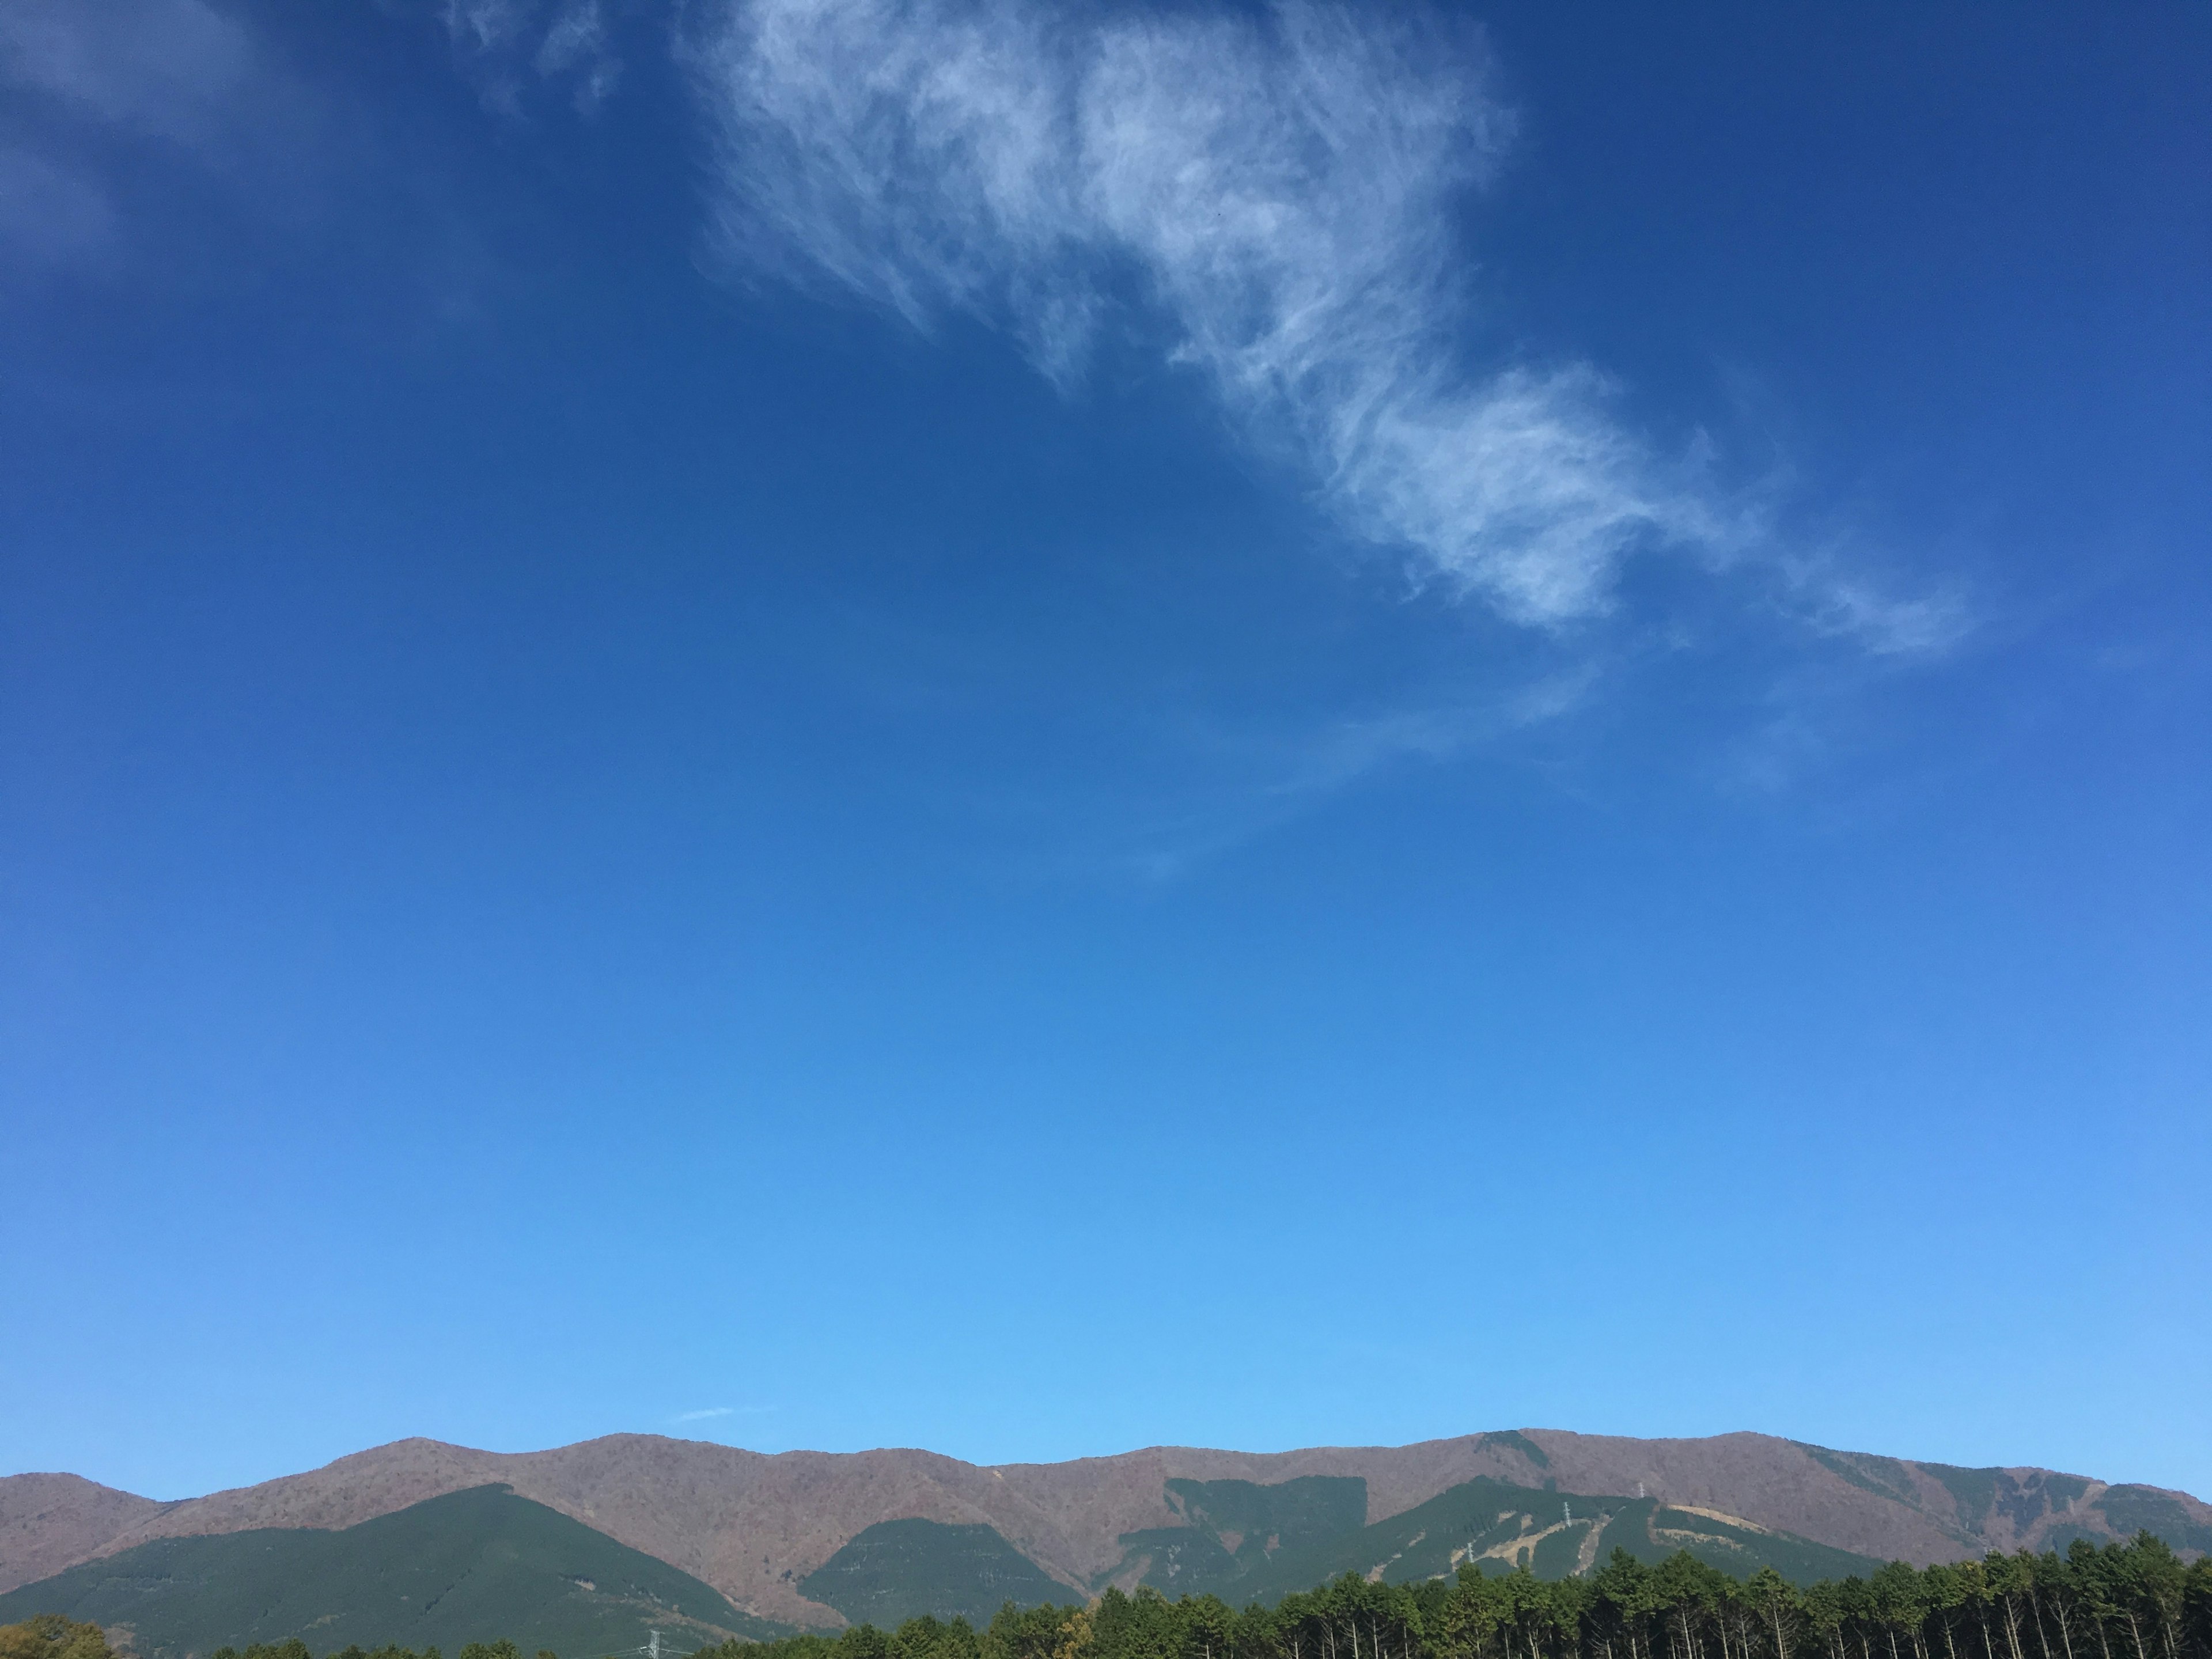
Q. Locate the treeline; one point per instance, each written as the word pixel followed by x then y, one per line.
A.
pixel 2131 1601
pixel 50 1636
pixel 296 1649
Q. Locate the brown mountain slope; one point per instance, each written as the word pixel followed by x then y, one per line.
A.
pixel 754 1525
pixel 49 1521
pixel 1873 1506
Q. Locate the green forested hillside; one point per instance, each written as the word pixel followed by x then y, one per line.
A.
pixel 2133 1600
pixel 1234 1547
pixel 1487 1570
pixel 2057 1508
pixel 1246 1541
pixel 2146 1509
pixel 470 1566
pixel 896 1569
pixel 1233 1531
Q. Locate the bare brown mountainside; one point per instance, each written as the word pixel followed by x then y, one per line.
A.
pixel 49 1521
pixel 753 1525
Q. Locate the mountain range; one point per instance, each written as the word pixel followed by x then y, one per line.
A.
pixel 751 1543
pixel 467 1566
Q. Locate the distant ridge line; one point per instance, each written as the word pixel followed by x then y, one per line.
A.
pixel 754 1525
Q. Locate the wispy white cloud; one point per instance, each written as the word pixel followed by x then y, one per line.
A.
pixel 1833 600
pixel 162 67
pixel 165 77
pixel 1347 749
pixel 565 42
pixel 1281 189
pixel 708 1412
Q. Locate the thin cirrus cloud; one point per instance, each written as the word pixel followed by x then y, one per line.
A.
pixel 1280 188
pixel 709 1411
pixel 165 70
pixel 565 41
pixel 162 67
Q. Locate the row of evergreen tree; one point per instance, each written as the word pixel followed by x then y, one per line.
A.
pixel 2131 1600
pixel 2119 1601
pixel 296 1649
pixel 50 1636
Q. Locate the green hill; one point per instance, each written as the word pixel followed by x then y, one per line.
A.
pixel 900 1570
pixel 1245 1542
pixel 1264 1542
pixel 473 1565
pixel 1233 1530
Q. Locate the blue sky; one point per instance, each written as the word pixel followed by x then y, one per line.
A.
pixel 1032 732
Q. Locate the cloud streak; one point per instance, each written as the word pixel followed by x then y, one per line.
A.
pixel 1281 190
pixel 166 68
pixel 702 1415
pixel 170 72
pixel 564 40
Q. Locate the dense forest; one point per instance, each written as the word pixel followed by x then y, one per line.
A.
pixel 2132 1601
pixel 51 1636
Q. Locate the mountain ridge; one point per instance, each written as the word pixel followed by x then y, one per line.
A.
pixel 754 1525
pixel 476 1564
